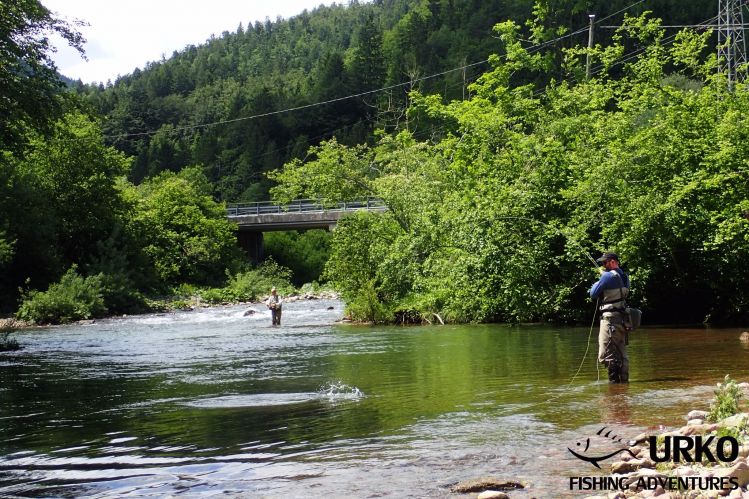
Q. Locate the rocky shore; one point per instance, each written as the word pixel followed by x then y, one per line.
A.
pixel 195 303
pixel 708 457
pixel 707 443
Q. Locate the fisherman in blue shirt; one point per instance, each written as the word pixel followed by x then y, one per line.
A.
pixel 611 291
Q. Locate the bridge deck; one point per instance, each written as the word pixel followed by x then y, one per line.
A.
pixel 302 214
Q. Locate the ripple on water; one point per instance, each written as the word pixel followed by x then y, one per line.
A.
pixel 252 400
pixel 335 391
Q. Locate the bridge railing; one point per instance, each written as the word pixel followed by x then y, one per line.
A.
pixel 300 206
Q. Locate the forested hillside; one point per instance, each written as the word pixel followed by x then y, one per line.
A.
pixel 157 115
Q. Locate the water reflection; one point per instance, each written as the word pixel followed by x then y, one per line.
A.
pixel 213 401
pixel 615 405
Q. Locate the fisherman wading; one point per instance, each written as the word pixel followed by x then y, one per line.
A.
pixel 612 290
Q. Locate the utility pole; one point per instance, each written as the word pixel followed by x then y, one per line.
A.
pixel 731 40
pixel 592 18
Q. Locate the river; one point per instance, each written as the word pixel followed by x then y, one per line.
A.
pixel 213 402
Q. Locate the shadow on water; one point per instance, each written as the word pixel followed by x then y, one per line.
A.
pixel 214 402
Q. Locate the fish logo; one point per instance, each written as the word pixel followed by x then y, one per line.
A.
pixel 594 460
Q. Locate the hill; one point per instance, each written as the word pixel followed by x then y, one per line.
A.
pixel 216 104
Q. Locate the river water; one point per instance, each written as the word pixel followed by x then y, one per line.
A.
pixel 213 402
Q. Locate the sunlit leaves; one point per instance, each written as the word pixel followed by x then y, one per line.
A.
pixel 498 219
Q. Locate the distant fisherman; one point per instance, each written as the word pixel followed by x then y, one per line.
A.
pixel 274 304
pixel 612 290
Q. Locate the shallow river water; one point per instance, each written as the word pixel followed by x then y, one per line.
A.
pixel 210 402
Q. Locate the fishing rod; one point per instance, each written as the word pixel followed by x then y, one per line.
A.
pixel 558 230
pixel 595 310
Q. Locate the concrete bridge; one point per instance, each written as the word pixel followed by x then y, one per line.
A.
pixel 253 219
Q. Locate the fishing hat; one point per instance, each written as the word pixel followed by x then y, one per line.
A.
pixel 608 255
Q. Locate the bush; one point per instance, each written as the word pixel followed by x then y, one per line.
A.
pixel 250 285
pixel 367 306
pixel 73 298
pixel 8 327
pixel 726 402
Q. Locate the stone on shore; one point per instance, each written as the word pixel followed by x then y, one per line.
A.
pixel 642 437
pixel 486 483
pixel 697 429
pixel 493 494
pixel 697 415
pixel 739 471
pixel 622 467
pixel 735 421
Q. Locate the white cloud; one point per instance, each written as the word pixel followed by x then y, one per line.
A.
pixel 124 35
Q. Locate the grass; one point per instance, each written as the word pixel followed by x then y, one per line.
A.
pixel 726 401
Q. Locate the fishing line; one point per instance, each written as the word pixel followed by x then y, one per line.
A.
pixel 595 310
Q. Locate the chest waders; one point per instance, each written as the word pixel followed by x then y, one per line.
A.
pixel 275 310
pixel 612 335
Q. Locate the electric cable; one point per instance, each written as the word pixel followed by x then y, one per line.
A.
pixel 337 99
pixel 619 12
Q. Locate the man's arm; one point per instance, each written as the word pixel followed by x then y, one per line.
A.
pixel 603 283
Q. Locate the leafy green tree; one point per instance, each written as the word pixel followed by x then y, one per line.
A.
pixel 77 175
pixel 59 202
pixel 492 220
pixel 30 89
pixel 183 231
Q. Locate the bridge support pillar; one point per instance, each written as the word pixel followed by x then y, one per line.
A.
pixel 252 243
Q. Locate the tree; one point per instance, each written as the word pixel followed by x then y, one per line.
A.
pixel 495 219
pixel 183 231
pixel 30 89
pixel 58 202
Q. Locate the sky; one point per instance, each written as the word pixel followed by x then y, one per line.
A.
pixel 123 35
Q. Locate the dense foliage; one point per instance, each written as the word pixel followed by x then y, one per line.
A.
pixel 235 79
pixel 491 220
pixel 74 297
pixel 181 229
pixel 304 253
pixel 498 177
pixel 30 89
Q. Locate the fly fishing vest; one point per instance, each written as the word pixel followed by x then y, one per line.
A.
pixel 614 300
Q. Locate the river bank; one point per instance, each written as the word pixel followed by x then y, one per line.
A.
pixel 719 468
pixel 178 303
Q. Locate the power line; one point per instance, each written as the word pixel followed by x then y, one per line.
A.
pixel 619 11
pixel 339 99
pixel 631 55
pixel 711 25
pixel 299 108
pixel 431 130
pixel 532 49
